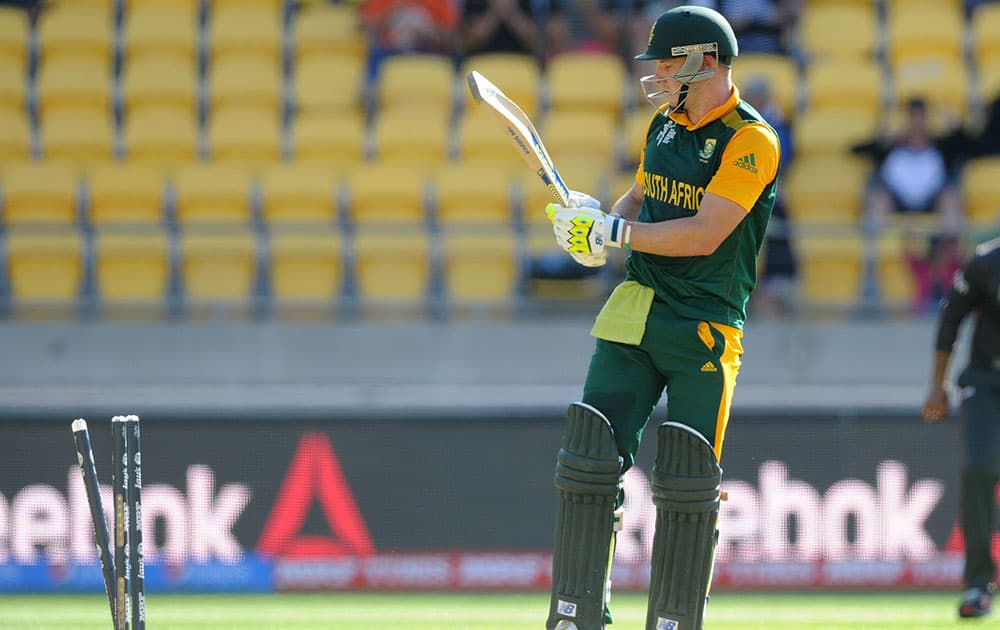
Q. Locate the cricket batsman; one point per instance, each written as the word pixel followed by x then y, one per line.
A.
pixel 694 221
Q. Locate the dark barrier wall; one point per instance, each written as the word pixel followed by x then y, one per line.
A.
pixel 813 500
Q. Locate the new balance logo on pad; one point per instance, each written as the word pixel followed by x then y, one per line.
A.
pixel 566 608
pixel 709 367
pixel 748 162
pixel 665 624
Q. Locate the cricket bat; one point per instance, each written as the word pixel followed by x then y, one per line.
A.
pixel 522 133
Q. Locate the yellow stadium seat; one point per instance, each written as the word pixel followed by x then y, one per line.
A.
pixel 160 81
pixel 306 267
pixel 517 75
pixel 894 278
pixel 161 30
pixel 75 83
pixel 218 266
pixel 77 135
pixel 272 7
pixel 415 80
pixel 13 80
pixel 15 137
pixel 45 267
pixel 832 132
pixel 479 267
pixel 131 267
pixel 581 134
pixel 985 23
pixel 893 5
pixel 247 136
pixel 13 38
pixel 854 84
pixel 941 81
pixel 238 29
pixel 634 131
pixel 338 141
pixel 780 73
pixel 473 192
pixel 329 83
pixel 934 27
pixel 165 136
pixel 825 189
pixel 387 192
pixel 39 192
pixel 328 30
pixel 418 135
pixel 587 81
pixel 105 6
pixel 392 267
pixel 212 193
pixel 75 30
pixel 980 186
pixel 831 270
pixel 245 81
pixel 298 193
pixel 481 137
pixel 125 193
pixel 856 27
pixel 191 7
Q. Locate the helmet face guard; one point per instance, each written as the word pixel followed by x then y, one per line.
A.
pixel 690 72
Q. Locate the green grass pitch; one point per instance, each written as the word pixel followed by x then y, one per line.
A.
pixel 480 611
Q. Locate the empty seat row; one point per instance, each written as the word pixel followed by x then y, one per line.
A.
pixel 319 267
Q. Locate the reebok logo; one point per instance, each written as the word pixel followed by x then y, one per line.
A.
pixel 709 367
pixel 748 163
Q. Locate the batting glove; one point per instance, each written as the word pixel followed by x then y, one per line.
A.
pixel 583 200
pixel 587 230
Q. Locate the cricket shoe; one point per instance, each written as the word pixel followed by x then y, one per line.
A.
pixel 976 602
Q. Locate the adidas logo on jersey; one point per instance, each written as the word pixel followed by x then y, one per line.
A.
pixel 709 367
pixel 748 163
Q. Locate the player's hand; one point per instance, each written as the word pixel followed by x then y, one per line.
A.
pixel 587 230
pixel 935 408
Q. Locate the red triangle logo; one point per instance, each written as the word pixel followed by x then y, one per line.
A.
pixel 315 473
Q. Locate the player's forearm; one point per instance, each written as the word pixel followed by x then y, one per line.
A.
pixel 628 205
pixel 942 359
pixel 678 237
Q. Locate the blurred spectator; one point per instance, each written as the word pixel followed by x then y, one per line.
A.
pixel 933 263
pixel 987 142
pixel 775 293
pixel 914 175
pixel 761 26
pixel 585 25
pixel 757 91
pixel 409 26
pixel 507 26
pixel 32 7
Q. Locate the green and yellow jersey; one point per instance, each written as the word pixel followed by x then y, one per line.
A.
pixel 732 152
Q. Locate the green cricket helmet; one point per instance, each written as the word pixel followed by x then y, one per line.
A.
pixel 691 31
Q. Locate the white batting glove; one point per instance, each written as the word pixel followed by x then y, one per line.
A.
pixel 583 200
pixel 587 230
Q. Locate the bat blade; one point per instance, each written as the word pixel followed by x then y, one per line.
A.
pixel 522 133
